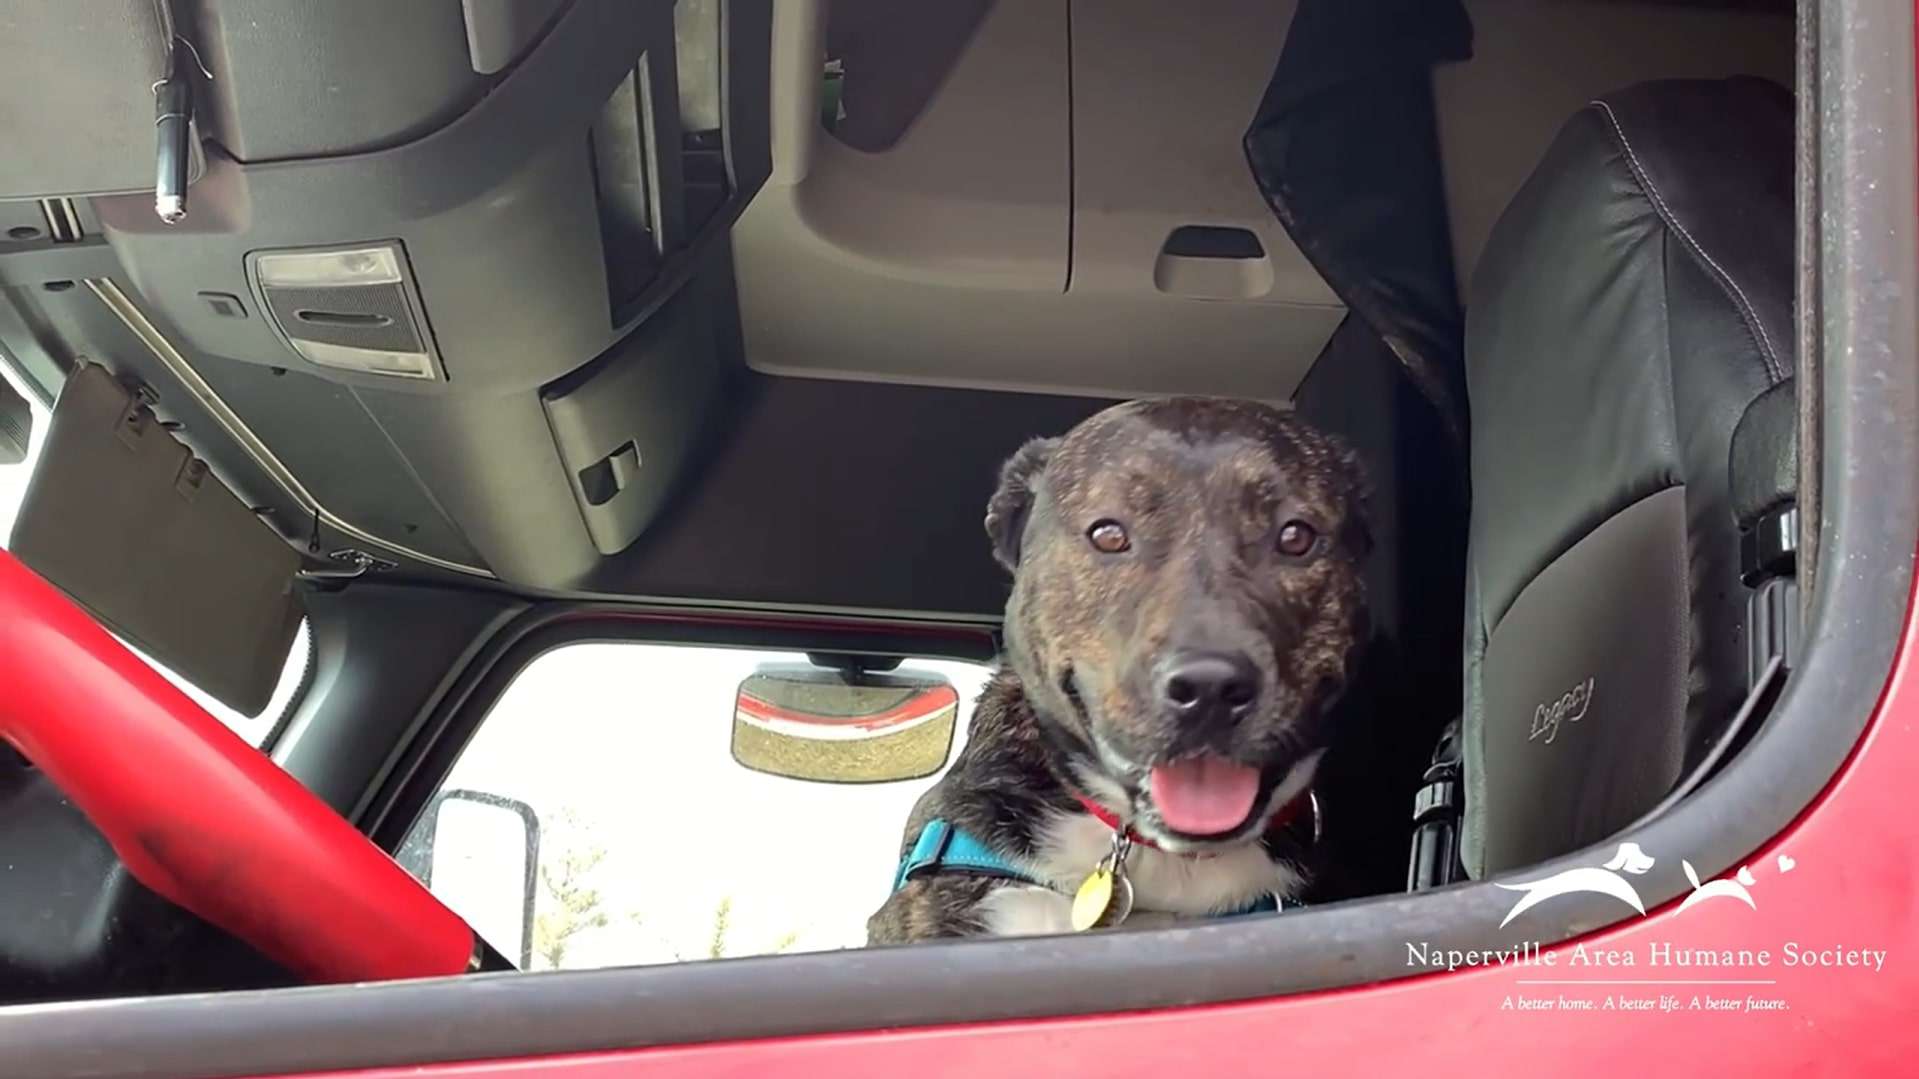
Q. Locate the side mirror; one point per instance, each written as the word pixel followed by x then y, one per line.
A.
pixel 845 724
pixel 480 854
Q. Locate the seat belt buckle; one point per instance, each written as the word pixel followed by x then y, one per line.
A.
pixel 1772 626
pixel 1768 565
pixel 1770 548
pixel 1437 807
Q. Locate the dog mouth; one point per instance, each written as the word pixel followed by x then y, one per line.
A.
pixel 1208 803
pixel 1205 795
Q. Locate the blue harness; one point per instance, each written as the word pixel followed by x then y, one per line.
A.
pixel 942 846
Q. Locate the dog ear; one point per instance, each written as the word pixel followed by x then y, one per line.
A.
pixel 1006 511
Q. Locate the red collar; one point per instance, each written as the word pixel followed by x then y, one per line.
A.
pixel 1281 817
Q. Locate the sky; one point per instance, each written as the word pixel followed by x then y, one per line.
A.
pixel 626 748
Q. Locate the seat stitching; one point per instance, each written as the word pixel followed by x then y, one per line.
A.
pixel 1749 314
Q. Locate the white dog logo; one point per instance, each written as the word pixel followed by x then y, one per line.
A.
pixel 1713 889
pixel 1606 880
pixel 1603 880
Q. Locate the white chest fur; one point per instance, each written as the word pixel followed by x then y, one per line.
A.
pixel 1166 887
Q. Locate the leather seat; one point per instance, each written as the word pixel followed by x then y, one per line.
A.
pixel 1634 303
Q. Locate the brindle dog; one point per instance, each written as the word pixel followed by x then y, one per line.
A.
pixel 1187 605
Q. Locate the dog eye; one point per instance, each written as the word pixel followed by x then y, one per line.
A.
pixel 1109 536
pixel 1296 539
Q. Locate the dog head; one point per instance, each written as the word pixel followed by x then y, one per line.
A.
pixel 1187 603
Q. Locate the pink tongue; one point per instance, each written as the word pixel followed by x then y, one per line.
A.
pixel 1204 795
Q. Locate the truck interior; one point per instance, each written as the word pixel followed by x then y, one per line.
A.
pixel 498 327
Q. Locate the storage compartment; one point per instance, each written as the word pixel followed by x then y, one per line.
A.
pixel 628 424
pixel 660 156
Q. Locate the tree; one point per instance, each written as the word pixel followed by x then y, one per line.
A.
pixel 716 945
pixel 569 904
pixel 721 916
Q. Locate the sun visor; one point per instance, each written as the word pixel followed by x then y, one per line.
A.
pixel 16 425
pixel 123 518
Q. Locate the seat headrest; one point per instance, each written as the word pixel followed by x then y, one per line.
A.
pixel 1707 153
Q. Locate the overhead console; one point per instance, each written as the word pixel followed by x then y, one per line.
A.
pixel 1040 196
pixel 456 265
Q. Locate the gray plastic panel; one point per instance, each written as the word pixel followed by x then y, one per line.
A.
pixel 22 224
pixel 496 209
pixel 325 434
pixel 491 463
pixel 1013 231
pixel 1160 105
pixel 498 32
pixel 382 655
pixel 885 488
pixel 627 426
pixel 44 330
pixel 894 58
pixel 385 72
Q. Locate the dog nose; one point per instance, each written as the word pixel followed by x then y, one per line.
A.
pixel 1201 684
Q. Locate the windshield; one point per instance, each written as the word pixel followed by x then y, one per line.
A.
pixel 655 844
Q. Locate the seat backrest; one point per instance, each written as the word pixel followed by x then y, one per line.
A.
pixel 1633 302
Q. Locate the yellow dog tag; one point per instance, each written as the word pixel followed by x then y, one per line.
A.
pixel 1094 898
pixel 1105 897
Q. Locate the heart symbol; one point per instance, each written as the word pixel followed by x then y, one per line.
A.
pixel 1786 863
pixel 1745 877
